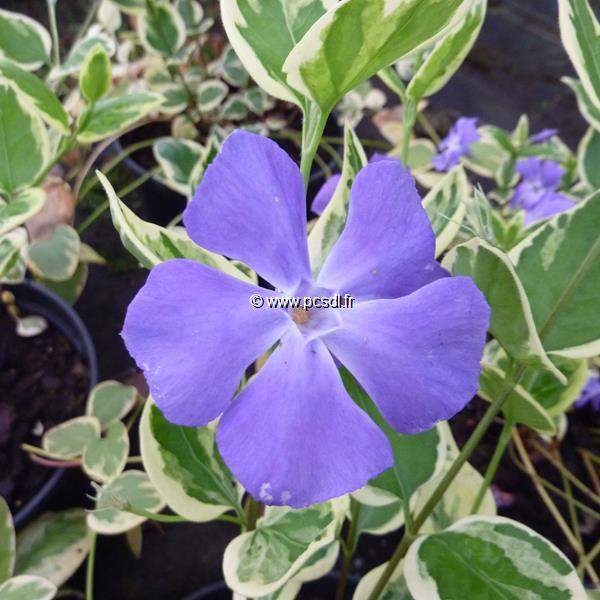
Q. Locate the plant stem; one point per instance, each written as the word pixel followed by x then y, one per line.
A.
pixel 89 576
pixel 313 126
pixel 348 550
pixel 546 498
pixel 429 128
pixel 440 490
pixel 563 471
pixel 252 511
pixel 493 466
pixel 51 4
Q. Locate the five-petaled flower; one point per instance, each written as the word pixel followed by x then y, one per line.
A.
pixel 456 144
pixel 537 193
pixel 414 339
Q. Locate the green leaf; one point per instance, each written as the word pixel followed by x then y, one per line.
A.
pixel 332 221
pixel 24 142
pixel 234 109
pixel 110 401
pixel 105 458
pixel 357 39
pixel 69 289
pixel 233 70
pixel 445 206
pixel 589 108
pixel 380 520
pixel 260 562
pixel 80 52
pixel 34 89
pixel 175 96
pixel 191 12
pixel 488 154
pixel 112 115
pixel 133 7
pixel 559 265
pixel 492 558
pixel 395 589
pixel 447 55
pixel 23 40
pixel 23 206
pixel 56 259
pixel 53 546
pixel 186 468
pixel 71 438
pixel 27 587
pixel 13 256
pixel 210 94
pixel 257 100
pixel 580 33
pixel 131 488
pixel 7 542
pixel 178 159
pixel 95 77
pixel 162 29
pixel 512 321
pixel 588 158
pixel 520 406
pixel 264 33
pixel 152 244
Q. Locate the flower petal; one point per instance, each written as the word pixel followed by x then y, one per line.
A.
pixel 550 204
pixel 251 206
pixel 193 331
pixel 294 437
pixel 387 248
pixel 418 357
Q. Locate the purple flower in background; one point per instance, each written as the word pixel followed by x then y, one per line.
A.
pixel 456 144
pixel 590 396
pixel 537 193
pixel 413 340
pixel 543 136
pixel 325 194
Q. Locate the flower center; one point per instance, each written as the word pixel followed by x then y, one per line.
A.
pixel 300 316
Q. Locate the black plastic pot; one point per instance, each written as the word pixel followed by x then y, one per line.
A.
pixel 35 299
pixel 321 589
pixel 161 204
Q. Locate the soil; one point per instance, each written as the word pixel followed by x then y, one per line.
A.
pixel 43 382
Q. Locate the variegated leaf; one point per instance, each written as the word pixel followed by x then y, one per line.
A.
pixel 113 115
pixel 489 557
pixel 27 587
pixel 7 542
pixel 331 223
pixel 335 54
pixel 23 40
pixel 512 321
pixel 559 265
pixel 20 208
pixel 130 489
pixel 446 205
pixel 70 439
pixel 24 141
pixel 53 546
pixel 56 259
pixel 395 589
pixel 262 561
pixel 79 52
pixel 590 109
pixel 588 159
pixel 34 89
pixel 447 55
pixel 110 401
pixel 161 28
pixel 105 458
pixel 95 78
pixel 186 468
pixel 13 256
pixel 152 244
pixel 178 159
pixel 264 33
pixel 210 94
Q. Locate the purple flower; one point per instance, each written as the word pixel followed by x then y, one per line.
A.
pixel 537 193
pixel 590 394
pixel 325 194
pixel 457 144
pixel 413 340
pixel 543 136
